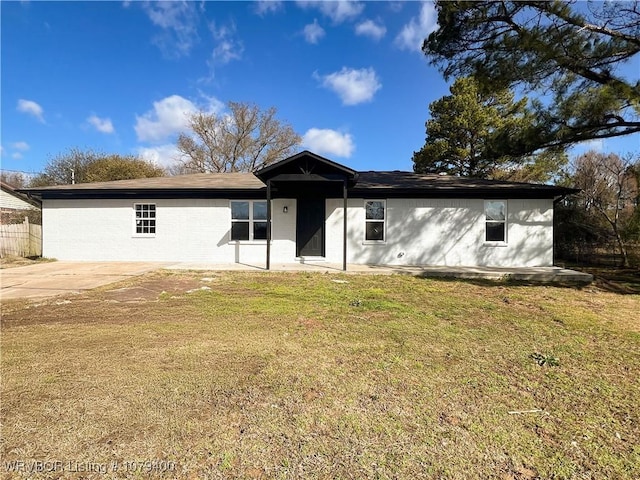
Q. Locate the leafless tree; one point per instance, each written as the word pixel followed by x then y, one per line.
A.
pixel 610 188
pixel 242 140
pixel 15 179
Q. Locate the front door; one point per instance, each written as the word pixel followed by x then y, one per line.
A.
pixel 310 227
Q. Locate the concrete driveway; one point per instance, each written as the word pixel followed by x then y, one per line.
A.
pixel 56 278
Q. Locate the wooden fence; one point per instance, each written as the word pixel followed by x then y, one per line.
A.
pixel 21 239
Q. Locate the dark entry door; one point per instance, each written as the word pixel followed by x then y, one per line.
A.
pixel 310 227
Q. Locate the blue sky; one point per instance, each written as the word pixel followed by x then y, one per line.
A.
pixel 121 77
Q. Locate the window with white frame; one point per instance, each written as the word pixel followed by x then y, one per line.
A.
pixel 145 218
pixel 248 220
pixel 495 221
pixel 375 218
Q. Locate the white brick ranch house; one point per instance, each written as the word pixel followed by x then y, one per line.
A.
pixel 317 209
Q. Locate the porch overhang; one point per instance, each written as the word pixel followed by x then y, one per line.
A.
pixel 304 175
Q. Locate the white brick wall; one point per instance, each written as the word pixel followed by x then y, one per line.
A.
pixel 187 230
pixel 418 231
pixel 444 232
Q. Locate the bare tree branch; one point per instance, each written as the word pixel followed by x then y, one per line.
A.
pixel 242 140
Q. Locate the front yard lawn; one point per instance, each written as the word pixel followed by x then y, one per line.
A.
pixel 302 375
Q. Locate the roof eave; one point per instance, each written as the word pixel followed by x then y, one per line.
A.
pixel 150 193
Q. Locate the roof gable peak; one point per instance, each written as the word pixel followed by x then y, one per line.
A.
pixel 305 163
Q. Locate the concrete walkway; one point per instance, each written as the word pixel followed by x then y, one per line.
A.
pixel 55 278
pixel 529 274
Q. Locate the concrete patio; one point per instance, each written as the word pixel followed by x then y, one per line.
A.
pixel 525 274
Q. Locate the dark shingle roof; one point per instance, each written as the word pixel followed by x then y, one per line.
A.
pixel 411 180
pixel 178 182
pixel 370 183
pixel 417 185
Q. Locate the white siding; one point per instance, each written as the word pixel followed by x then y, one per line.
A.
pixel 11 202
pixel 418 232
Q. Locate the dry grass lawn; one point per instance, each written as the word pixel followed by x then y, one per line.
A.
pixel 253 375
pixel 11 261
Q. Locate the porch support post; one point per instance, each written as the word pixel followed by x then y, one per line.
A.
pixel 344 224
pixel 268 224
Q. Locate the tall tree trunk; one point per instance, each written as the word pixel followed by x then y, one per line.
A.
pixel 623 249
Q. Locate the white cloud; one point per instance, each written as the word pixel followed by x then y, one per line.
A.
pixel 596 144
pixel 102 125
pixel 212 104
pixel 352 86
pixel 313 32
pixel 162 155
pixel 328 142
pixel 338 11
pixel 226 51
pixel 31 108
pixel 179 24
pixel 17 149
pixel 169 116
pixel 228 47
pixel 22 146
pixel 263 7
pixel 414 33
pixel 371 29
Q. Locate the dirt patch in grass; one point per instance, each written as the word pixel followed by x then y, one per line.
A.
pixel 80 308
pixel 281 375
pixel 150 289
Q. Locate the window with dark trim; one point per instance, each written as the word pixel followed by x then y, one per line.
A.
pixel 495 221
pixel 145 218
pixel 248 220
pixel 375 218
